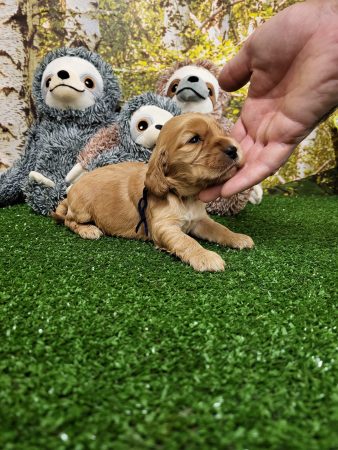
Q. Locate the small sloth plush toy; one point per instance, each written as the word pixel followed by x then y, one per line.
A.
pixel 131 137
pixel 194 87
pixel 76 93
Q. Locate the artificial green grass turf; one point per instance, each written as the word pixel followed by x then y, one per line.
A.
pixel 114 345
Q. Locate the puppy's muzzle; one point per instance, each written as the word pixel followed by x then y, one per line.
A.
pixel 231 151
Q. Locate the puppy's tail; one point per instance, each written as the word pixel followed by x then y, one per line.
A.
pixel 61 212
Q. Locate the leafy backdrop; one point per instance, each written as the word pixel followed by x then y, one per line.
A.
pixel 139 38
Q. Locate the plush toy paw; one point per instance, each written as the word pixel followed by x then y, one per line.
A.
pixel 256 194
pixel 41 179
pixel 75 173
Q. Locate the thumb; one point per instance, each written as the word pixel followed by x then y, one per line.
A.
pixel 237 72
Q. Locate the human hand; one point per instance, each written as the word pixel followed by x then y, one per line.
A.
pixel 292 64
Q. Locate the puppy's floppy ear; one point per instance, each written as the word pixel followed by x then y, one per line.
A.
pixel 156 181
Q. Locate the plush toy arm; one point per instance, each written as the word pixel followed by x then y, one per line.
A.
pixel 117 155
pixel 112 156
pixel 104 139
pixel 41 179
pixel 99 143
pixel 42 198
pixel 229 206
pixel 11 181
pixel 256 194
pixel 223 100
pixel 75 173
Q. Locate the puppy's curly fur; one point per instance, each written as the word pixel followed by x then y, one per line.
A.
pixel 192 153
pixel 221 206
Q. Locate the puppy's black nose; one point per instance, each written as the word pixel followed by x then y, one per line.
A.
pixel 63 74
pixel 231 151
pixel 193 79
pixel 159 127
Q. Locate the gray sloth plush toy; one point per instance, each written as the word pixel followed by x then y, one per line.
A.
pixel 131 138
pixel 76 94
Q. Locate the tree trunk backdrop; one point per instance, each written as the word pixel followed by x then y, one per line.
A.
pixel 13 62
pixel 139 38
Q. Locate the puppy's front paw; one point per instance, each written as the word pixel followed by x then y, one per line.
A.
pixel 241 241
pixel 207 261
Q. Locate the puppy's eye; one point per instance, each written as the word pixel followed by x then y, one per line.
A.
pixel 142 125
pixel 210 92
pixel 48 82
pixel 89 83
pixel 195 139
pixel 174 88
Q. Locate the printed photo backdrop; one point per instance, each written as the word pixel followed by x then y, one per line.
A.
pixel 139 38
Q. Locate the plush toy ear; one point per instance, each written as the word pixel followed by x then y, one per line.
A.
pixel 156 181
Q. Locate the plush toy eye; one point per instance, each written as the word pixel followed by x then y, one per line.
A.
pixel 211 90
pixel 172 88
pixel 142 125
pixel 89 83
pixel 48 82
pixel 195 139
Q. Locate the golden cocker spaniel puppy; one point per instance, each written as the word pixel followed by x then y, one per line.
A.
pixel 159 201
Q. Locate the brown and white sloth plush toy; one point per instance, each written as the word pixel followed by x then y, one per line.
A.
pixel 194 87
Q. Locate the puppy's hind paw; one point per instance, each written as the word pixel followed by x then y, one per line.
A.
pixel 207 261
pixel 90 232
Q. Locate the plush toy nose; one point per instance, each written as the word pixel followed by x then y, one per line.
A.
pixel 63 74
pixel 193 79
pixel 231 151
pixel 158 127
